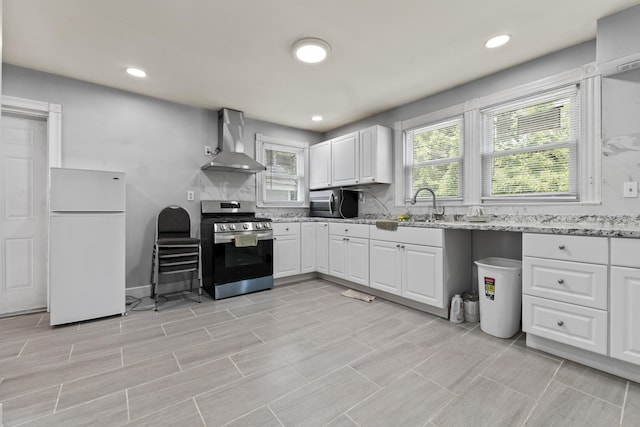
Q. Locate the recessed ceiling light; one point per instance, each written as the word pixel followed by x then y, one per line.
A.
pixel 311 50
pixel 497 41
pixel 136 72
pixel 317 118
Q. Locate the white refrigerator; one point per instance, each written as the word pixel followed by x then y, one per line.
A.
pixel 86 244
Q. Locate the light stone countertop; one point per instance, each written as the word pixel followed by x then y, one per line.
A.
pixel 578 225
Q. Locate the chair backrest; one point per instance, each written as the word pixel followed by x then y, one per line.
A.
pixel 173 221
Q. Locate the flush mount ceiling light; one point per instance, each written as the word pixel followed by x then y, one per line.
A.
pixel 136 72
pixel 317 118
pixel 497 41
pixel 311 50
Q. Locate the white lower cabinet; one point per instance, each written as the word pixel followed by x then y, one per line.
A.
pixel 322 247
pixel 423 274
pixel 349 252
pixel 410 262
pixel 571 324
pixel 565 289
pixel 386 269
pixel 308 250
pixel 314 247
pixel 625 300
pixel 286 249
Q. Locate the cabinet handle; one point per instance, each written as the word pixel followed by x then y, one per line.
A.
pixel 325 225
pixel 560 281
pixel 286 229
pixel 560 323
pixel 346 230
pixel 561 247
pixel 398 246
pixel 275 238
pixel 401 246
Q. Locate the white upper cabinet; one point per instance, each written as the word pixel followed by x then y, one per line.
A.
pixel 362 157
pixel 320 167
pixel 375 155
pixel 344 159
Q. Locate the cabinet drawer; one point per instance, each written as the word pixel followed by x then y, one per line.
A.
pixel 581 327
pixel 625 252
pixel 285 228
pixel 569 248
pixel 350 230
pixel 572 282
pixel 412 235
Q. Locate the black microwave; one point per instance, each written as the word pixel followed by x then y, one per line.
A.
pixel 333 203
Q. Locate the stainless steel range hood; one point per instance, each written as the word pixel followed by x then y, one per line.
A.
pixel 229 156
pixel 617 48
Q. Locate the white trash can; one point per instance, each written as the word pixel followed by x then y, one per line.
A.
pixel 500 289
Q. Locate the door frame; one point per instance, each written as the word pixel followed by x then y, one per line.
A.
pixel 52 113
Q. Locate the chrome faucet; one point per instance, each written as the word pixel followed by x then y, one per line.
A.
pixel 434 209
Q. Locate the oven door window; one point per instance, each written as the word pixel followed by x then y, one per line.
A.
pixel 232 264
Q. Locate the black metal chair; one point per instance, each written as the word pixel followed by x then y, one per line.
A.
pixel 174 250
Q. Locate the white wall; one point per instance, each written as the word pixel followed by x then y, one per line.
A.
pixel 158 144
pixel 621 112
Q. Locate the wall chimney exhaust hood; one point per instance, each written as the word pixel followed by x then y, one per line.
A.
pixel 617 46
pixel 229 156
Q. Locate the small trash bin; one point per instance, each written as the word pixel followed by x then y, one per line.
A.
pixel 500 289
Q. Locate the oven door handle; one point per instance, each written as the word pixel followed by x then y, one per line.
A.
pixel 268 235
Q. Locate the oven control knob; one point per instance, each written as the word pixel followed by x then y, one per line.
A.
pixel 266 225
pixel 223 227
pixel 232 227
pixel 258 226
pixel 245 226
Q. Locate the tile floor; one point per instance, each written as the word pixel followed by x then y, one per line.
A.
pixel 298 355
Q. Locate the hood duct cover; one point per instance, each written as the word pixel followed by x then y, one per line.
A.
pixel 229 156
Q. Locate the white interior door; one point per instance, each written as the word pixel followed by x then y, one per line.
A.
pixel 23 213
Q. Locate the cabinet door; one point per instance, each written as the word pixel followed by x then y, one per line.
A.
pixel 624 314
pixel 385 270
pixel 344 160
pixel 320 165
pixel 358 260
pixel 286 255
pixel 367 155
pixel 308 247
pixel 337 254
pixel 423 274
pixel 322 247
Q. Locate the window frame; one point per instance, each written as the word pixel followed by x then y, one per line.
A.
pixel 402 178
pixel 411 165
pixel 589 160
pixel 572 144
pixel 301 149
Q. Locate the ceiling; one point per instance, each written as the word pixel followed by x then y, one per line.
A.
pixel 237 53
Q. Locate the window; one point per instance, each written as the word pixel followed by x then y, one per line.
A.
pixel 434 158
pixel 283 184
pixel 530 147
pixel 538 143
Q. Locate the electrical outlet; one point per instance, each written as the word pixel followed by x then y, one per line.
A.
pixel 207 150
pixel 630 189
pixel 361 197
pixel 191 196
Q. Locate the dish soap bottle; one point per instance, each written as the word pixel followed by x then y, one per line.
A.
pixel 456 315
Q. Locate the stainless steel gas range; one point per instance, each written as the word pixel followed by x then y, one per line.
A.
pixel 237 249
